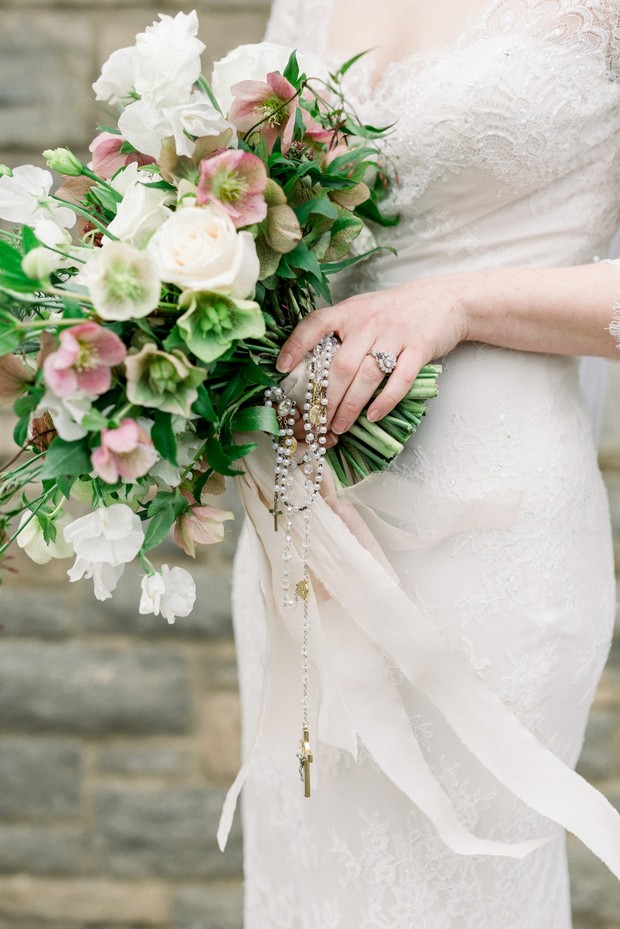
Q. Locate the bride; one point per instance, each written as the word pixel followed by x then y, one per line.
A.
pixel 458 654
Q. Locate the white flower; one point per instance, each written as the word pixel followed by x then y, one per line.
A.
pixel 145 125
pixel 40 262
pixel 199 249
pixel 123 282
pixel 67 413
pixel 142 208
pixel 197 117
pixel 105 577
pixel 104 541
pixel 166 59
pixel 169 593
pixel 33 543
pixel 117 77
pixel 188 446
pixel 253 63
pixel 25 198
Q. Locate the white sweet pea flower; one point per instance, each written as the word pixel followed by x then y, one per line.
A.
pixel 25 198
pixel 104 541
pixel 143 209
pixel 199 249
pixel 31 539
pixel 144 126
pixel 166 59
pixel 40 262
pixel 254 63
pixel 67 413
pixel 123 281
pixel 196 117
pixel 115 85
pixel 105 577
pixel 169 593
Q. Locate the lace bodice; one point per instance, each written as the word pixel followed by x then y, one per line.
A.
pixel 511 132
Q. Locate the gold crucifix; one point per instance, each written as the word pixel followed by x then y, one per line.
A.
pixel 305 760
pixel 275 512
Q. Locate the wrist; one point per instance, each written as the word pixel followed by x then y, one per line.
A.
pixel 483 301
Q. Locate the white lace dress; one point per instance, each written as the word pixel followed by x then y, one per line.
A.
pixel 494 520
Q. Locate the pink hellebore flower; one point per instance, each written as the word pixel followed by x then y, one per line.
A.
pixel 272 104
pixel 236 180
pixel 126 451
pixel 83 361
pixel 202 525
pixel 108 157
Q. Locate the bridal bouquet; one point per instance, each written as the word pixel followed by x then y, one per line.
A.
pixel 144 298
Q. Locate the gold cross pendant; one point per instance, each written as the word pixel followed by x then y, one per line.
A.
pixel 275 512
pixel 305 760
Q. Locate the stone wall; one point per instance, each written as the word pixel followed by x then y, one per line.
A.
pixel 118 733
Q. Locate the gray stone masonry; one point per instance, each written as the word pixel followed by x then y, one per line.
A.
pixel 118 733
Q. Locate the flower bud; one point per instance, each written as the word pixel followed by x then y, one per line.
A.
pixel 36 264
pixel 63 161
pixel 5 171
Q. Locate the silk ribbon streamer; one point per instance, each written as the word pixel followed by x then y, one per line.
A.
pixel 365 615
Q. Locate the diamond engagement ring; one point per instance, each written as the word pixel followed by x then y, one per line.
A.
pixel 385 360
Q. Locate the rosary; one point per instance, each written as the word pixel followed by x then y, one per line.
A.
pixel 312 461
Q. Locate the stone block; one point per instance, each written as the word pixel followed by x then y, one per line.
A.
pixel 595 891
pixel 598 759
pixel 41 850
pixel 88 690
pixel 45 74
pixel 144 761
pixel 166 833
pixel 222 736
pixel 41 777
pixel 220 666
pixel 92 902
pixel 25 612
pixel 218 906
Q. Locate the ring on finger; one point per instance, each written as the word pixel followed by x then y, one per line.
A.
pixel 386 360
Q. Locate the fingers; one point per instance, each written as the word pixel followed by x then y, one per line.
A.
pixel 357 394
pixel 397 385
pixel 306 335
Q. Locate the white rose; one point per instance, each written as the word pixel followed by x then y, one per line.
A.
pixel 166 59
pixel 142 210
pixel 33 543
pixel 253 63
pixel 170 593
pixel 199 249
pixel 117 78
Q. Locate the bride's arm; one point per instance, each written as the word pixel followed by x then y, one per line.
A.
pixel 556 310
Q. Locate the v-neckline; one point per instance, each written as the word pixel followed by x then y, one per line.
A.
pixel 375 81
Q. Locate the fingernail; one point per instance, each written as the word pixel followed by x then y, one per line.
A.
pixel 372 416
pixel 284 363
pixel 338 427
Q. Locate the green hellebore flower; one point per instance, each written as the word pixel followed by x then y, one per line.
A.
pixel 214 321
pixel 162 380
pixel 63 161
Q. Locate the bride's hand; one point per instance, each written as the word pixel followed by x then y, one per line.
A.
pixel 417 322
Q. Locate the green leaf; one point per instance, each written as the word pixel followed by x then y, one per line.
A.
pixel 29 239
pixel 321 205
pixel 95 421
pixel 255 418
pixel 162 514
pixel 20 430
pixel 342 70
pixel 254 373
pixel 369 210
pixel 203 406
pixel 367 131
pixel 28 402
pixel 219 460
pixel 301 257
pixel 163 437
pixel 333 267
pixel 9 340
pixel 291 71
pixel 235 452
pixel 107 199
pixel 173 340
pixel 65 484
pixel 66 459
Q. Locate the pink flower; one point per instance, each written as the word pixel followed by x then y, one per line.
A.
pixel 236 180
pixel 202 525
pixel 83 361
pixel 272 104
pixel 125 451
pixel 108 156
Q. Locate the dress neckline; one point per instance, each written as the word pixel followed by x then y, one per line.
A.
pixel 375 81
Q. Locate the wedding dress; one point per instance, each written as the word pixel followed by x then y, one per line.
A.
pixel 490 534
